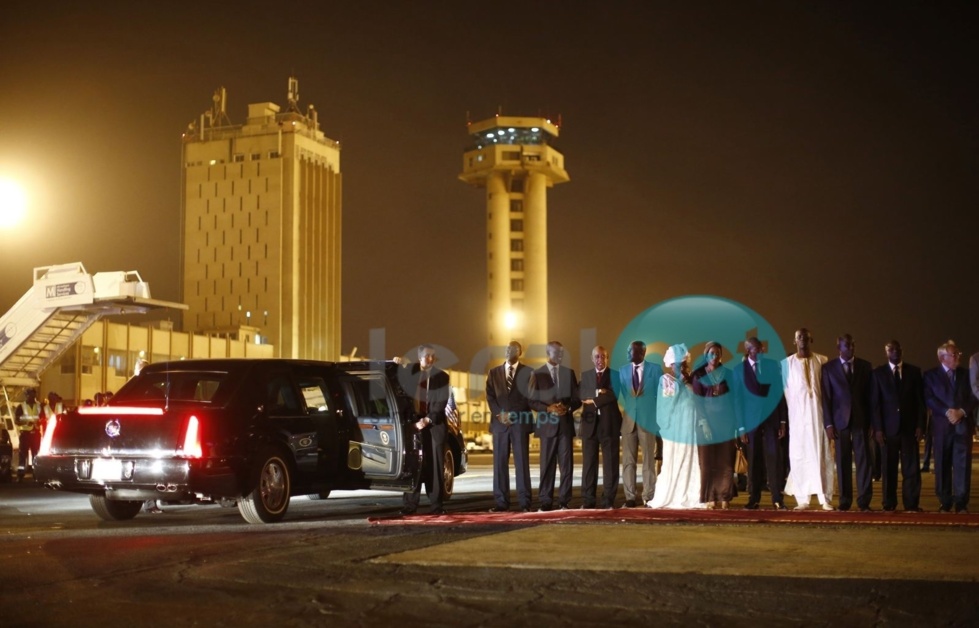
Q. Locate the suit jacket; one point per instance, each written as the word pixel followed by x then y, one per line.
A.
pixel 603 419
pixel 755 403
pixel 543 393
pixel 974 374
pixel 895 411
pixel 846 404
pixel 437 392
pixel 940 396
pixel 641 407
pixel 515 400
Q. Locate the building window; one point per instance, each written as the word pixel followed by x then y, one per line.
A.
pixel 516 265
pixel 511 155
pixel 516 244
pixel 516 206
pixel 516 185
pixel 256 156
pixel 274 154
pixel 516 285
pixel 516 225
pixel 238 157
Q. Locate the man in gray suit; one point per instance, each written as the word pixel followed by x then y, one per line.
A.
pixel 637 383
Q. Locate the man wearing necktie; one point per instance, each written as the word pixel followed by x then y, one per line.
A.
pixel 637 383
pixel 554 395
pixel 897 417
pixel 431 396
pixel 507 387
pixel 948 394
pixel 846 417
pixel 601 424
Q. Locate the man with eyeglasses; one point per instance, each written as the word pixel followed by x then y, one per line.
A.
pixel 948 394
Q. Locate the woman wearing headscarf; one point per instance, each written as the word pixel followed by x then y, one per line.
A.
pixel 717 449
pixel 678 485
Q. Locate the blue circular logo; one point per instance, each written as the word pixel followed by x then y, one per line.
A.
pixel 698 405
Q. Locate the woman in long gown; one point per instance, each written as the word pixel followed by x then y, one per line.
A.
pixel 711 382
pixel 678 485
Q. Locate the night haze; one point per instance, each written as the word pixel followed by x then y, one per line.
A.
pixel 813 161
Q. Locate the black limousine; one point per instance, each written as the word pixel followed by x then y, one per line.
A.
pixel 245 432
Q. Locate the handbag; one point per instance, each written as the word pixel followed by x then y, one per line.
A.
pixel 741 463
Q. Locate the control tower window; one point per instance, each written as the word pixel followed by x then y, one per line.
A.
pixel 516 244
pixel 516 206
pixel 516 185
pixel 516 225
pixel 516 265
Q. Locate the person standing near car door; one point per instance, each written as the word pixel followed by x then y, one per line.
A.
pixel 431 386
pixel 510 424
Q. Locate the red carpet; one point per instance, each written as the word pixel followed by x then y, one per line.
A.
pixel 648 515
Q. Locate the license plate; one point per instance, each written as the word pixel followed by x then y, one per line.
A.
pixel 106 469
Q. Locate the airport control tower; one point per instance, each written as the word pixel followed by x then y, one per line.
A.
pixel 515 160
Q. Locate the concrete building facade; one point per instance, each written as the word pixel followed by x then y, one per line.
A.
pixel 261 225
pixel 514 159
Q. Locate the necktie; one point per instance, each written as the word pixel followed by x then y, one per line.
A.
pixel 951 377
pixel 897 375
pixel 509 378
pixel 554 377
pixel 848 368
pixel 635 378
pixel 757 368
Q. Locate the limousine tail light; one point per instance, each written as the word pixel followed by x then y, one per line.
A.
pixel 192 439
pixel 45 447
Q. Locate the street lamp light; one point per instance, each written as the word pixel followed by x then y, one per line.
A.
pixel 13 203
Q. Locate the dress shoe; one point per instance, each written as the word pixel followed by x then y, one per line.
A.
pixel 888 508
pixel 752 506
pixel 915 509
pixel 827 507
pixel 961 511
pixel 866 509
pixel 437 511
pixel 802 507
pixel 498 509
pixel 926 469
pixel 587 506
pixel 710 505
pixel 944 510
pixel 779 506
pixel 406 511
pixel 525 509
pixel 630 503
pixel 725 505
pixel 545 508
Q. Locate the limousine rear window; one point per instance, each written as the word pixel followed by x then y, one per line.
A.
pixel 202 387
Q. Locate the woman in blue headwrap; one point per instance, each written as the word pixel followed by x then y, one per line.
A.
pixel 678 485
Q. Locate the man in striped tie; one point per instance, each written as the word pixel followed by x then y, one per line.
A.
pixel 507 387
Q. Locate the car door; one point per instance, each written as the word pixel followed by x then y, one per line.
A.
pixel 375 448
pixel 287 415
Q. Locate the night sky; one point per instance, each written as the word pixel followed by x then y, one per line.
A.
pixel 814 161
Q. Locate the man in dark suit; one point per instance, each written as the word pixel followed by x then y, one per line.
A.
pixel 846 417
pixel 948 395
pixel 554 394
pixel 897 417
pixel 601 423
pixel 507 387
pixel 637 384
pixel 762 422
pixel 431 388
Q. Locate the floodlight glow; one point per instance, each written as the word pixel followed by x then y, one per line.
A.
pixel 13 203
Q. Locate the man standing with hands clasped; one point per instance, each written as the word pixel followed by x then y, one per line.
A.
pixel 601 423
pixel 554 394
pixel 948 394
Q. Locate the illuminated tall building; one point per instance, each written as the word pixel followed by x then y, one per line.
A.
pixel 513 158
pixel 261 222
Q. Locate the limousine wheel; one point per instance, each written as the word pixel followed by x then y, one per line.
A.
pixel 114 509
pixel 448 473
pixel 269 499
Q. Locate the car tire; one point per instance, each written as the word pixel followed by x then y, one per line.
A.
pixel 114 509
pixel 319 496
pixel 448 473
pixel 268 500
